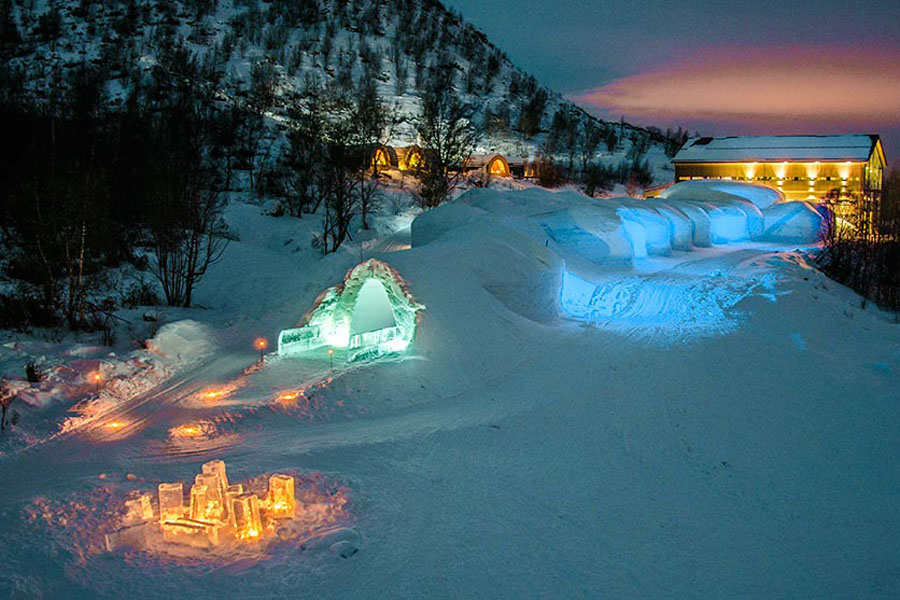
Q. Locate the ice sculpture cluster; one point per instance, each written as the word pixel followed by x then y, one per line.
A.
pixel 370 314
pixel 216 512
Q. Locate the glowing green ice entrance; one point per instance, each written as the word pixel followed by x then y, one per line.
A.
pixel 370 314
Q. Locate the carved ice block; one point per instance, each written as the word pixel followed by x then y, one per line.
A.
pixel 131 536
pixel 217 467
pixel 214 496
pixel 171 501
pixel 231 493
pixel 199 501
pixel 281 496
pixel 191 532
pixel 247 524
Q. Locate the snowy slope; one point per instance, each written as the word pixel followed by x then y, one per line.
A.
pixel 299 43
pixel 516 451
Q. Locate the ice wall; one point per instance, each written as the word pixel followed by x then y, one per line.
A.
pixel 609 232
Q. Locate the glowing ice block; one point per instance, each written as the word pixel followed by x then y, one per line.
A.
pixel 231 493
pixel 214 497
pixel 217 467
pixel 281 496
pixel 171 501
pixel 199 501
pixel 247 523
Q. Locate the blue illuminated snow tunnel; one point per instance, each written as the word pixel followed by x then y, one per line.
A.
pixel 370 314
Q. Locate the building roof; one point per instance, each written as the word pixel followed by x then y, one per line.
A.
pixel 480 160
pixel 778 148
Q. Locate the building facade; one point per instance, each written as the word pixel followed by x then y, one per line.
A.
pixel 845 172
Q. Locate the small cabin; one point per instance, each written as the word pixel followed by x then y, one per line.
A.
pixel 494 165
pixel 403 158
pixel 516 167
pixel 385 157
pixel 410 158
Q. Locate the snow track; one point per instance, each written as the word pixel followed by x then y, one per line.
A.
pixel 689 298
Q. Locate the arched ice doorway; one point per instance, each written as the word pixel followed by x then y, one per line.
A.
pixel 371 313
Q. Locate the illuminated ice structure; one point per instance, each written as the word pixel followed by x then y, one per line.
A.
pixel 370 314
pixel 215 513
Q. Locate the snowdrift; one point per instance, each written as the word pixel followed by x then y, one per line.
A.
pixel 761 196
pixel 793 223
pixel 542 254
pixel 610 232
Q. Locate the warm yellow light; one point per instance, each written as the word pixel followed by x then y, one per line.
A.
pixel 260 343
pixel 280 498
pixel 217 509
pixel 189 431
pixel 96 376
pixel 115 425
pixel 498 168
pixel 750 170
pixel 781 170
pixel 845 170
pixel 381 158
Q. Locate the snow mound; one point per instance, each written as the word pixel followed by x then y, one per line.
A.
pixel 432 224
pixel 521 203
pixel 667 306
pixel 609 232
pixel 793 222
pixel 183 341
pixel 176 348
pixel 647 229
pixel 592 233
pixel 512 266
pixel 759 195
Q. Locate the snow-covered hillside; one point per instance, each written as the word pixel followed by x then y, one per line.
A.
pixel 290 47
pixel 730 429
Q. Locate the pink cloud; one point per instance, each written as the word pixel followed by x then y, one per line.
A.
pixel 823 88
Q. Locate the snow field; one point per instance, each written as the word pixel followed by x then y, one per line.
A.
pixel 722 423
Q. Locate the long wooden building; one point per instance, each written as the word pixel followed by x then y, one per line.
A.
pixel 844 171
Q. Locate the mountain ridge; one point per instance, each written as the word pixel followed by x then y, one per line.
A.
pixel 242 45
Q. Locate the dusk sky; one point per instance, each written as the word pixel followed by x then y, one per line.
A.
pixel 724 67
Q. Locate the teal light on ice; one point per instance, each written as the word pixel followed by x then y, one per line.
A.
pixel 370 314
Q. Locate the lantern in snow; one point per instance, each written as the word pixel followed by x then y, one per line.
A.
pixel 199 502
pixel 281 496
pixel 247 524
pixel 260 344
pixel 213 509
pixel 232 492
